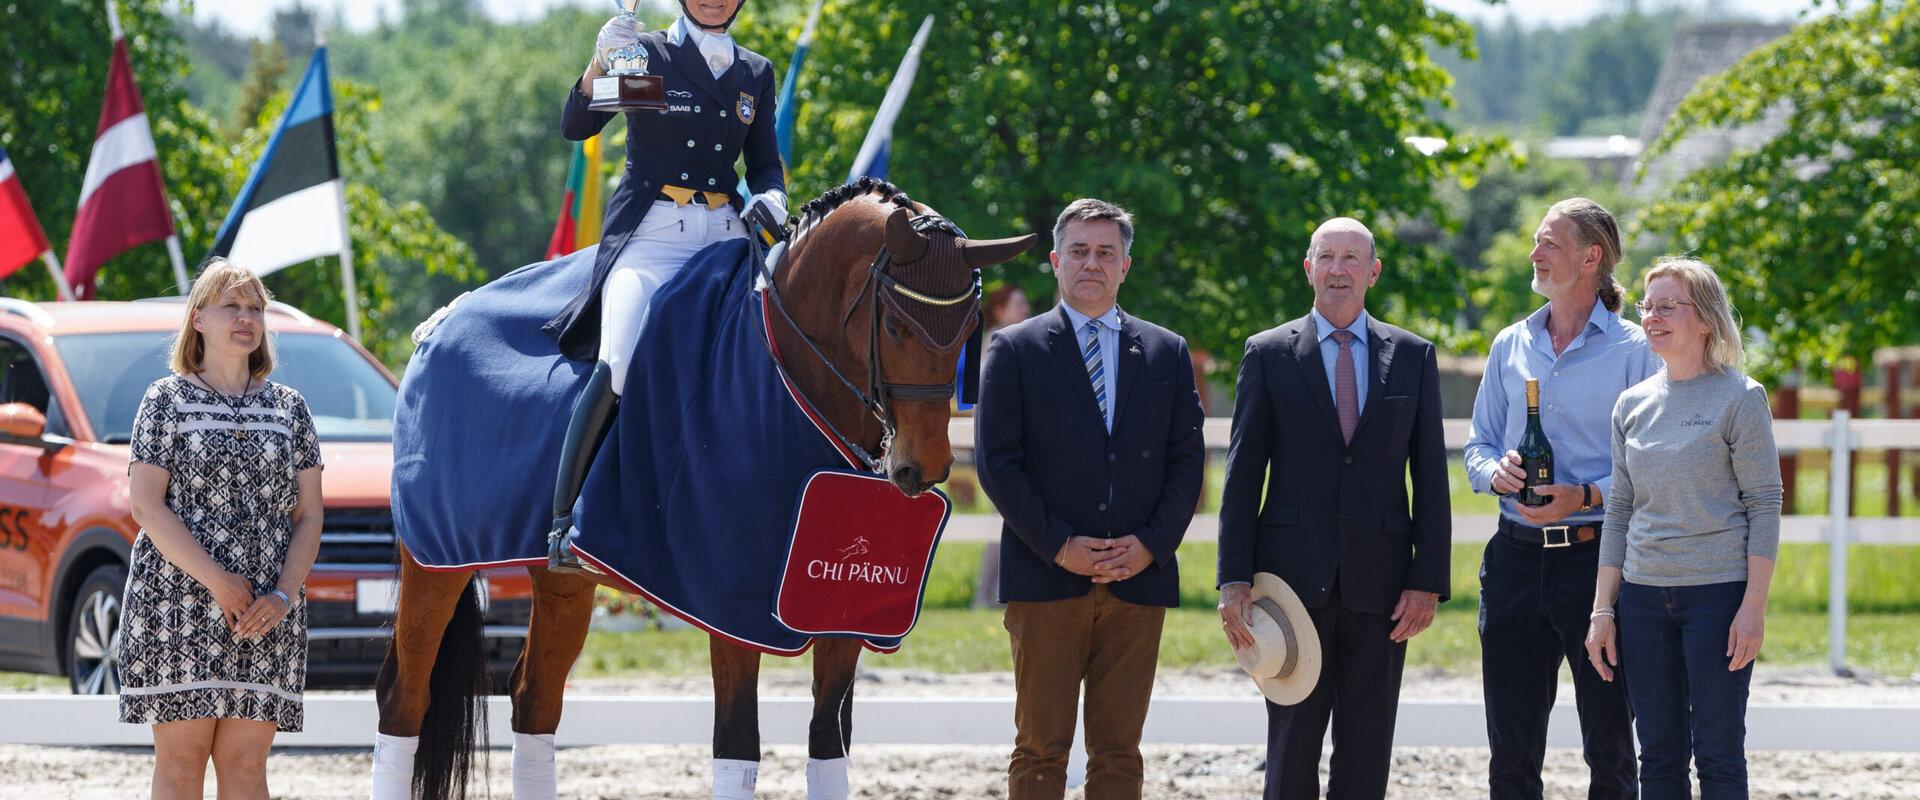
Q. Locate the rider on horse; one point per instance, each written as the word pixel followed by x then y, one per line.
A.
pixel 679 195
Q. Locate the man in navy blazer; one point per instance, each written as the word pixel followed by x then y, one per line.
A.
pixel 1087 438
pixel 1333 411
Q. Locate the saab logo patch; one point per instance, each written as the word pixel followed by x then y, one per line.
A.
pixel 745 108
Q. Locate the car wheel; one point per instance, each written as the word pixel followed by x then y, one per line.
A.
pixel 93 632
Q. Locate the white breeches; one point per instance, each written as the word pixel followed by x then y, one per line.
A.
pixel 668 236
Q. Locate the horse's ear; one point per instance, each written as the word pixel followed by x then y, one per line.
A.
pixel 983 253
pixel 906 244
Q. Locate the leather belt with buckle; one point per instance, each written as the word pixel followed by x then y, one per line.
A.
pixel 1551 536
pixel 680 196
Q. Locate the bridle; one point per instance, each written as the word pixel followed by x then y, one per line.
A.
pixel 879 393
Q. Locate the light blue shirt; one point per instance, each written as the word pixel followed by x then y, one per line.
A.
pixel 1577 393
pixel 1330 353
pixel 1109 349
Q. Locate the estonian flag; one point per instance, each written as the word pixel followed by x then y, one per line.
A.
pixel 291 208
pixel 872 160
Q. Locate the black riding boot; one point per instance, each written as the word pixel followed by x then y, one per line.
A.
pixel 592 416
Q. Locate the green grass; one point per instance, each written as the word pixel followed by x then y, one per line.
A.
pixel 29 682
pixel 1810 488
pixel 967 640
pixel 1883 629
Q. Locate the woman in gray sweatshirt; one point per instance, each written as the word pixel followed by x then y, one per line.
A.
pixel 1687 551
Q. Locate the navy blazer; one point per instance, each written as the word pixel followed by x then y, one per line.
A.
pixel 708 124
pixel 1047 462
pixel 1332 508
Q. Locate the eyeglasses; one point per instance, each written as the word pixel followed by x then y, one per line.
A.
pixel 1663 309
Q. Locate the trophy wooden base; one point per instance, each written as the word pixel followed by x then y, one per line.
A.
pixel 628 93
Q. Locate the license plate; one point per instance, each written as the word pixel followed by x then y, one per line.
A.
pixel 375 595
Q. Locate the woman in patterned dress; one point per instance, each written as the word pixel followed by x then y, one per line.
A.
pixel 226 488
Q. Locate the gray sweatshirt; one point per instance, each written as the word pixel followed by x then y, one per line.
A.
pixel 1696 481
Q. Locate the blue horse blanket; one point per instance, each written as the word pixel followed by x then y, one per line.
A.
pixel 690 500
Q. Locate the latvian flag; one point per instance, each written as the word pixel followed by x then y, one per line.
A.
pixel 290 209
pixel 21 239
pixel 122 202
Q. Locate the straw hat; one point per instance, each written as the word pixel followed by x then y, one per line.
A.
pixel 1285 657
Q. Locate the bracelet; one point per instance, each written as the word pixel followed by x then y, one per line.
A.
pixel 284 599
pixel 1601 612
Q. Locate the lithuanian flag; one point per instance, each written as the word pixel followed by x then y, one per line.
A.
pixel 579 223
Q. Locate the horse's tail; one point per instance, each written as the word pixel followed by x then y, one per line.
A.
pixel 457 704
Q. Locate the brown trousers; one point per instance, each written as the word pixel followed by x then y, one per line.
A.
pixel 1110 645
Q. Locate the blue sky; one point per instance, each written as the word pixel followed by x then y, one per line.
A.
pixel 251 16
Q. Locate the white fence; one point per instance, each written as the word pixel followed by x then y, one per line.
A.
pixel 1839 436
pixel 348 720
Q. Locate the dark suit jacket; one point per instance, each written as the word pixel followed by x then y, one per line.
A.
pixel 1331 508
pixel 1048 463
pixel 708 125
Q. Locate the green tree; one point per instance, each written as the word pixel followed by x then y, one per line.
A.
pixel 51 84
pixel 1229 129
pixel 1592 77
pixel 49 107
pixel 1814 232
pixel 263 78
pixel 1611 70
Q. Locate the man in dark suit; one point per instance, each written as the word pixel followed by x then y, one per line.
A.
pixel 1087 437
pixel 1333 410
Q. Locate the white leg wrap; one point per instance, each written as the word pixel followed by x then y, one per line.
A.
pixel 1077 757
pixel 393 766
pixel 733 779
pixel 534 777
pixel 827 778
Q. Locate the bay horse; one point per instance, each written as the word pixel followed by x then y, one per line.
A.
pixel 834 334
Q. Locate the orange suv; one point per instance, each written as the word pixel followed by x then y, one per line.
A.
pixel 71 377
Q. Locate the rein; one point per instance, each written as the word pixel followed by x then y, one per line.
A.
pixel 879 393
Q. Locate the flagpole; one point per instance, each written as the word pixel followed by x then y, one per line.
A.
pixel 59 275
pixel 346 267
pixel 179 263
pixel 348 287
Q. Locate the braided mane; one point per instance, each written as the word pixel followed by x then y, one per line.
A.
pixel 819 207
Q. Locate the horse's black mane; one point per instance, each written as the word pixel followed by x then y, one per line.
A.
pixel 838 196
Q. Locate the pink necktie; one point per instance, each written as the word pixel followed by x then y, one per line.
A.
pixel 1346 395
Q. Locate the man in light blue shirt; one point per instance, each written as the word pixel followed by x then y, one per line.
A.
pixel 1536 584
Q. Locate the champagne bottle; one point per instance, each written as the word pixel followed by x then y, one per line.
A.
pixel 1536 455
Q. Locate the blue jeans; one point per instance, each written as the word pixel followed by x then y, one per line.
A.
pixel 1686 704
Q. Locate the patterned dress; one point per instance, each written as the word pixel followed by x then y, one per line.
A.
pixel 232 482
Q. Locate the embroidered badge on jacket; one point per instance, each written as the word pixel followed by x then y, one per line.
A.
pixel 745 108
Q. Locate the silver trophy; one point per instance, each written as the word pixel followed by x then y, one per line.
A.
pixel 627 86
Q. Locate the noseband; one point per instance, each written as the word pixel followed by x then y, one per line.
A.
pixel 879 393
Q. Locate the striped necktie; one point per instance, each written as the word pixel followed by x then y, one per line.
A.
pixel 1096 369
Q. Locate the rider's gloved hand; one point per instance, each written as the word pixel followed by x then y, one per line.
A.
pixel 774 200
pixel 621 31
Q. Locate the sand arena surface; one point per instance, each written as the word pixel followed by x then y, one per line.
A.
pixel 903 772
